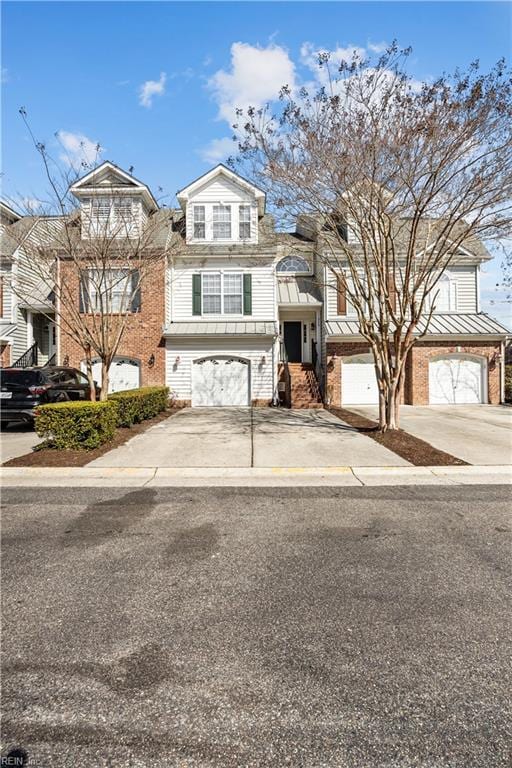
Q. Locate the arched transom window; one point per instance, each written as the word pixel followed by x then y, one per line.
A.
pixel 293 264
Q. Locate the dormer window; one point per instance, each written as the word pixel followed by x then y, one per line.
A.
pixel 221 222
pixel 444 295
pixel 244 222
pixel 110 213
pixel 199 222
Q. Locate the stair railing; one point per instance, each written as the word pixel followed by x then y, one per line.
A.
pixel 28 358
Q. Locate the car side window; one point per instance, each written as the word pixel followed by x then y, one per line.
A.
pixel 81 378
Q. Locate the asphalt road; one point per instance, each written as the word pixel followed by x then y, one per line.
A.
pixel 326 627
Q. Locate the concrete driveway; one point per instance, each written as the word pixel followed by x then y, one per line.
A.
pixel 16 440
pixel 478 434
pixel 244 437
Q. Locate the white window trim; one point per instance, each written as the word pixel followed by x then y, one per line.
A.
pixel 453 297
pixel 235 224
pixel 222 272
pixel 295 272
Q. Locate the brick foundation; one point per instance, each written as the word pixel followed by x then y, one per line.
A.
pixel 261 402
pixel 5 355
pixel 415 391
pixel 142 338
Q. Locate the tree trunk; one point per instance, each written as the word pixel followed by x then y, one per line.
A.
pixel 105 369
pixel 89 374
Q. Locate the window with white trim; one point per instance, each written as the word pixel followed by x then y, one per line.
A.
pixel 211 286
pixel 199 222
pixel 109 290
pixel 293 265
pixel 244 222
pixel 222 293
pixel 221 222
pixel 444 295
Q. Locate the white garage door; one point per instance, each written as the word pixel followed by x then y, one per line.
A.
pixel 358 381
pixel 455 380
pixel 220 381
pixel 124 374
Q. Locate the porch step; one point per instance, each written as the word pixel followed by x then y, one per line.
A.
pixel 304 389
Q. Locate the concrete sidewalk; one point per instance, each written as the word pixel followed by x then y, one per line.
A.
pixel 138 477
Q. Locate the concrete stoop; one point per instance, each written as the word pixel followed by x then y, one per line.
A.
pixel 139 477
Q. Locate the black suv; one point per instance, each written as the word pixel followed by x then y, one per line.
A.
pixel 23 389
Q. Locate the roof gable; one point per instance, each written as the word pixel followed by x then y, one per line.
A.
pixel 233 178
pixel 9 213
pixel 108 176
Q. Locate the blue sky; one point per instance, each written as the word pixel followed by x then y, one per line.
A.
pixel 155 83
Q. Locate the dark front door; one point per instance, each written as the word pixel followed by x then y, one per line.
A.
pixel 293 342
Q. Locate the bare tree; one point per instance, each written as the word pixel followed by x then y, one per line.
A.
pixel 397 177
pixel 92 262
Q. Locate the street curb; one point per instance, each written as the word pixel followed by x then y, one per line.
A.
pixel 256 476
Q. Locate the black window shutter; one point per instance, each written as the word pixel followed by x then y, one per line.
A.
pixel 247 294
pixel 136 297
pixel 83 303
pixel 196 294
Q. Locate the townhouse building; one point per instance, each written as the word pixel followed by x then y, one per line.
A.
pixel 239 314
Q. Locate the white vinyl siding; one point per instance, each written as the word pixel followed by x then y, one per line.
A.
pixel 181 353
pixel 463 291
pixel 5 276
pixel 263 285
pixel 221 191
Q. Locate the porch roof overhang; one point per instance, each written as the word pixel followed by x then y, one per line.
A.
pixel 6 329
pixel 446 326
pixel 298 292
pixel 227 328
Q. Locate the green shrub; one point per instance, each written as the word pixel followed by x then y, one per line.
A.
pixel 135 405
pixel 76 424
pixel 508 383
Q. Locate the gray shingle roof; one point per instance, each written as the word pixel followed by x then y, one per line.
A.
pixel 298 290
pixel 463 324
pixel 227 328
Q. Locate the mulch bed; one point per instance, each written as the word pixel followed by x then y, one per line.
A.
pixel 408 447
pixel 50 457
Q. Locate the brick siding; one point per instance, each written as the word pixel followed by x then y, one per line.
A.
pixel 5 355
pixel 143 335
pixel 415 391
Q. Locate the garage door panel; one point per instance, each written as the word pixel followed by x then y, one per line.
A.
pixel 220 381
pixel 124 374
pixel 359 382
pixel 456 381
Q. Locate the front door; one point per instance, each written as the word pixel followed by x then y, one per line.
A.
pixel 293 341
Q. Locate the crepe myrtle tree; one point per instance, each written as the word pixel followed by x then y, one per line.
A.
pixel 86 270
pixel 394 177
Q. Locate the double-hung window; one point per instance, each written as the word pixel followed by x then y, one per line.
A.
pixel 221 222
pixel 444 294
pixel 212 293
pixel 222 293
pixel 199 222
pixel 232 292
pixel 244 222
pixel 109 291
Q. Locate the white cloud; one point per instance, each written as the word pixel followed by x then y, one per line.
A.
pixel 256 77
pixel 377 47
pixel 150 89
pixel 219 150
pixel 79 150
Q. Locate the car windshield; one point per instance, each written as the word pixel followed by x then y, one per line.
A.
pixel 22 377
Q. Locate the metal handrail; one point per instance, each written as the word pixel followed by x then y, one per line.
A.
pixel 51 360
pixel 28 358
